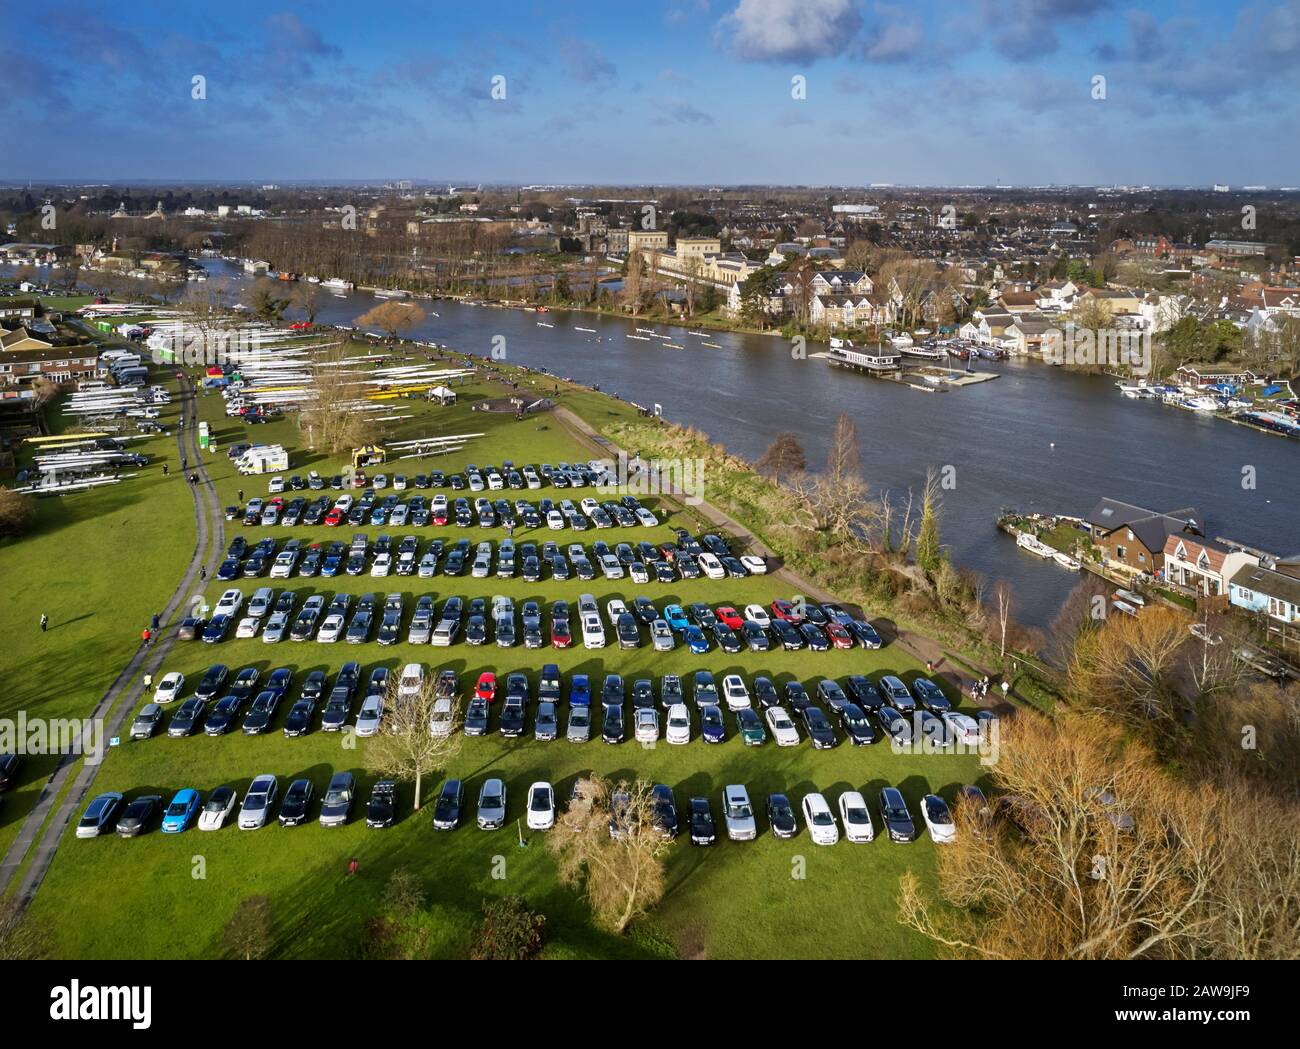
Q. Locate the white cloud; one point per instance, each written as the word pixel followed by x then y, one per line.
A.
pixel 789 30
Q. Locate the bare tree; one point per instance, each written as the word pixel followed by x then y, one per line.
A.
pixel 406 747
pixel 331 418
pixel 1002 595
pixel 607 843
pixel 1099 853
pixel 248 933
pixel 392 317
pixel 306 297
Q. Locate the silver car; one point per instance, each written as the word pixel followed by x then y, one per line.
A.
pixel 661 636
pixel 579 725
pixel 491 805
pixel 257 804
pixel 741 825
pixel 147 721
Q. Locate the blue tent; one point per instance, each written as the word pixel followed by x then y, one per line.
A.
pixel 1269 391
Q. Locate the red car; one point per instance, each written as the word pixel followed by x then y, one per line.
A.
pixel 334 518
pixel 785 610
pixel 669 550
pixel 487 686
pixel 731 617
pixel 840 637
pixel 560 635
pixel 440 518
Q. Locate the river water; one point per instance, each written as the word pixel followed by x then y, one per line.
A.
pixel 1034 438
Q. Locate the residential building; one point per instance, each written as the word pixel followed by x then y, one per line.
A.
pixel 1133 537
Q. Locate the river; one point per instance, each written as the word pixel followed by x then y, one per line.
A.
pixel 1035 438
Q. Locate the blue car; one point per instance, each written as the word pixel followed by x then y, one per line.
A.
pixel 676 617
pixel 230 569
pixel 216 629
pixel 865 633
pixel 279 681
pixel 696 640
pixel 711 725
pixel 580 691
pixel 181 812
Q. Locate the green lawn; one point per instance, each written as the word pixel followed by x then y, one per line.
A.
pixel 734 900
pixel 99 564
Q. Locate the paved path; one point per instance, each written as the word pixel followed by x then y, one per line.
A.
pixel 923 648
pixel 120 700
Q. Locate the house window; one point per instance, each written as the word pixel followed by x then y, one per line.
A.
pixel 1121 552
pixel 1246 595
pixel 1142 557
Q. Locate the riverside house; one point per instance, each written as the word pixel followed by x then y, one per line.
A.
pixel 1133 538
pixel 1273 591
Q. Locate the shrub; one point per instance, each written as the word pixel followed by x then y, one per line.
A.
pixel 511 931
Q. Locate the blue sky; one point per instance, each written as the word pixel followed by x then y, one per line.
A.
pixel 685 91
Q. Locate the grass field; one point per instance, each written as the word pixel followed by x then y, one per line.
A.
pixel 99 564
pixel 170 896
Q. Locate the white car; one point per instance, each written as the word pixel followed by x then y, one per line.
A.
pixel 219 806
pixel 382 566
pixel 440 718
pixel 370 715
pixel 755 564
pixel 711 566
pixel 758 614
pixel 589 506
pixel 283 567
pixel 593 631
pixel 782 728
pixel 247 627
pixel 822 827
pixel 962 728
pixel 380 481
pixel 647 725
pixel 169 688
pixel 332 629
pixel 275 485
pixel 554 520
pixel 679 724
pixel 411 680
pixel 229 603
pixel 735 692
pixel 258 802
pixel 938 820
pixel 615 608
pixel 739 813
pixel 611 566
pixel 541 806
pixel 343 504
pixel 855 817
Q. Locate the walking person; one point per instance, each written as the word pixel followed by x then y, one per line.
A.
pixel 155 622
pixel 240 496
pixel 148 682
pixel 165 469
pixel 203 573
pixel 146 635
pixel 45 622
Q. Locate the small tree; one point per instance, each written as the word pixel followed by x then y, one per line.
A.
pixel 929 550
pixel 392 317
pixel 511 931
pixel 16 512
pixel 784 456
pixel 622 874
pixel 248 933
pixel 306 297
pixel 264 299
pixel 405 748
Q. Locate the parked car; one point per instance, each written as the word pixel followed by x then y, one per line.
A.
pixel 701 821
pixel 219 806
pixel 781 817
pixel 336 805
pixel 258 801
pixel 855 817
pixel 541 806
pixel 492 805
pixel 181 813
pixel 381 809
pixel 895 817
pixel 297 801
pixel 447 809
pixel 820 820
pixel 136 817
pixel 938 820
pixel 147 722
pixel 739 813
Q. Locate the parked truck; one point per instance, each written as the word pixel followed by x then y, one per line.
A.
pixel 263 459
